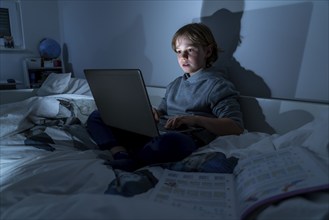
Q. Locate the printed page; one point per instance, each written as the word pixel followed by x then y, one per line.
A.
pixel 273 176
pixel 210 195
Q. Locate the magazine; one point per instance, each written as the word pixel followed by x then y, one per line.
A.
pixel 257 181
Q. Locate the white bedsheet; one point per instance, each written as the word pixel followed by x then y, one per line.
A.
pixel 70 184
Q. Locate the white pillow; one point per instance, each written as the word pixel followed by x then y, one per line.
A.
pixel 78 86
pixel 56 83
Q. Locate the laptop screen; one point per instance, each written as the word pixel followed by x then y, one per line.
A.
pixel 122 100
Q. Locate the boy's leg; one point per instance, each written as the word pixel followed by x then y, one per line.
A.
pixel 113 139
pixel 169 147
pixel 100 132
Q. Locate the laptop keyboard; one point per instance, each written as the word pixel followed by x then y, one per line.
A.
pixel 184 128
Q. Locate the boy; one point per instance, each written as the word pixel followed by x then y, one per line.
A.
pixel 200 98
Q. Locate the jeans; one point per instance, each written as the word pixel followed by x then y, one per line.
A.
pixel 169 147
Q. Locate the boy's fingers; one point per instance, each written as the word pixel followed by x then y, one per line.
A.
pixel 155 114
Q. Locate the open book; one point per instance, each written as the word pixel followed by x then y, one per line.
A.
pixel 257 181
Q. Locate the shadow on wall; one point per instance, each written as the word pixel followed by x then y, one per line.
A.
pixel 226 27
pixel 273 42
pixel 281 37
pixel 68 67
pixel 253 117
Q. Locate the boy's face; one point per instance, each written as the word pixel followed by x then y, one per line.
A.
pixel 191 57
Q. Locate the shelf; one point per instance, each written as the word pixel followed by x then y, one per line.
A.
pixel 37 70
pixel 15 49
pixel 45 68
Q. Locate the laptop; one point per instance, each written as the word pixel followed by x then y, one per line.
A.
pixel 122 100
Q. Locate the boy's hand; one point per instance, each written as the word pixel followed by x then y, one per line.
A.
pixel 155 114
pixel 178 121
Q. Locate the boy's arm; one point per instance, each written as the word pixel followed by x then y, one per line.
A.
pixel 217 126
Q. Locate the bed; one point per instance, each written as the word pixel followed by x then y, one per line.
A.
pixel 51 169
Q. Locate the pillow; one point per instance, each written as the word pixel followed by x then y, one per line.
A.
pixel 56 83
pixel 78 86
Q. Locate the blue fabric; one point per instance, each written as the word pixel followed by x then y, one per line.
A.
pixel 130 184
pixel 210 162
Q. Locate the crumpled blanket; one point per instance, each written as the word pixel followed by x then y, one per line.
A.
pixel 42 122
pixel 43 134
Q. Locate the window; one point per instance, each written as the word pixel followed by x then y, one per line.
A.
pixel 4 22
pixel 11 33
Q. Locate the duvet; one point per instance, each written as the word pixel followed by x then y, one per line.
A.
pixel 51 169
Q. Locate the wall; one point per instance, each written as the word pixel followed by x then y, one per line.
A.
pixel 283 51
pixel 289 46
pixel 125 34
pixel 40 20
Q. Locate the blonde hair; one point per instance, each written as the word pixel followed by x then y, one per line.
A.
pixel 199 34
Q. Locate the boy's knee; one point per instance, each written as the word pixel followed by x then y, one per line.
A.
pixel 93 118
pixel 169 147
pixel 93 123
pixel 176 143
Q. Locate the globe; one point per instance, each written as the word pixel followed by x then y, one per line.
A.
pixel 49 48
